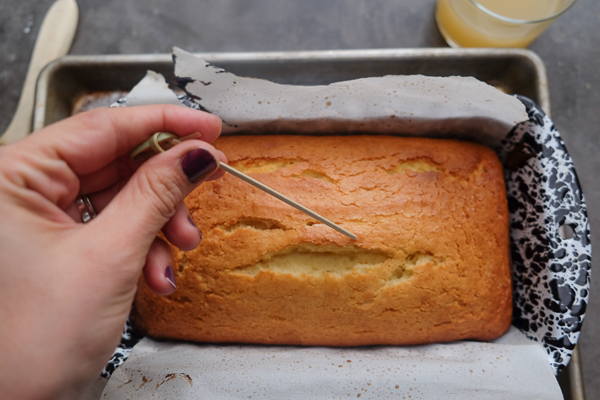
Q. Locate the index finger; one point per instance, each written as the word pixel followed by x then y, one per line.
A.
pixel 91 140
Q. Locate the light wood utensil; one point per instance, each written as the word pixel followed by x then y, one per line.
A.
pixel 53 41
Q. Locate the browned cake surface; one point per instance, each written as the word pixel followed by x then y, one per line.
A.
pixel 430 263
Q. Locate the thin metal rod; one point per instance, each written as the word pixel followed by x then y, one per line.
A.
pixel 286 200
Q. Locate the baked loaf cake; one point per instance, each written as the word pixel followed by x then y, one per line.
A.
pixel 430 263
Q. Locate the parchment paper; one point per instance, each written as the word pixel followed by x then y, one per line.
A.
pixel 510 368
pixel 413 105
pixel 151 90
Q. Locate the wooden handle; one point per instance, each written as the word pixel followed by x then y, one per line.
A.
pixel 53 41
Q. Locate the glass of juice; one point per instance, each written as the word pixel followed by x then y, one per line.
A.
pixel 496 23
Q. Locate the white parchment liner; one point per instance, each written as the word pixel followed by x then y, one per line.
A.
pixel 510 367
pixel 412 105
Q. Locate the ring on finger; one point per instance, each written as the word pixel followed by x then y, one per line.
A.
pixel 86 209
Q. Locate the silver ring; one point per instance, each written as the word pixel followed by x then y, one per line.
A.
pixel 86 209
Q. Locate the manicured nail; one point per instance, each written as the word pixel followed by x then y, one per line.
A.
pixel 170 276
pixel 198 164
pixel 194 225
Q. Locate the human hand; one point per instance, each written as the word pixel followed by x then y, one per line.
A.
pixel 66 288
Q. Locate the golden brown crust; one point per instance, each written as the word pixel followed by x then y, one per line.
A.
pixel 430 263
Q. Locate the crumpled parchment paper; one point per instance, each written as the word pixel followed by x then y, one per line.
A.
pixel 412 105
pixel 511 367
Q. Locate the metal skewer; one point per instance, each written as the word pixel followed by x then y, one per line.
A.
pixel 285 199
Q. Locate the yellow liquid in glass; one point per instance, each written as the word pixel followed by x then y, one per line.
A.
pixel 527 10
pixel 464 25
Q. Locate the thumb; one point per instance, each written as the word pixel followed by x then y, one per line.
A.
pixel 152 195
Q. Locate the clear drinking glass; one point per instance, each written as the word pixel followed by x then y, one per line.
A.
pixel 496 23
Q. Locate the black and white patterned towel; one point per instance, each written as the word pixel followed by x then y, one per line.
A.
pixel 550 236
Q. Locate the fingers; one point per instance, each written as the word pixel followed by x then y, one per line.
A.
pixel 119 170
pixel 99 200
pixel 91 140
pixel 181 231
pixel 155 192
pixel 158 271
pixel 48 164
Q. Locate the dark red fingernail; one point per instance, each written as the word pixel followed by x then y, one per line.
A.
pixel 198 164
pixel 170 276
pixel 194 225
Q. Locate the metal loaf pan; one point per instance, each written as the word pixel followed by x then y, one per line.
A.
pixel 76 83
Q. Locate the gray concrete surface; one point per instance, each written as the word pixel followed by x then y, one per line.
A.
pixel 570 48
